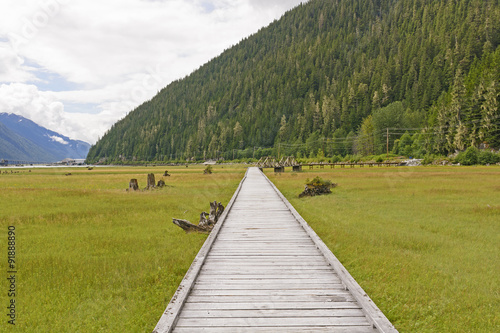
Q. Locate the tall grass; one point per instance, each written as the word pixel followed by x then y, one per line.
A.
pixel 93 257
pixel 422 242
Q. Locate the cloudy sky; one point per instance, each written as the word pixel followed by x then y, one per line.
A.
pixel 76 67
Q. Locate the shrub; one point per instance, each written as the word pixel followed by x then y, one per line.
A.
pixel 428 159
pixel 487 157
pixel 469 157
pixel 208 170
pixel 318 181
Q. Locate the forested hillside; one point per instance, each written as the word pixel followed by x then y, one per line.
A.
pixel 332 78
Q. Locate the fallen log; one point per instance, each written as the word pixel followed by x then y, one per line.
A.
pixel 188 226
pixel 207 220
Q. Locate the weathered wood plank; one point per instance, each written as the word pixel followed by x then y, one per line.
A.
pixel 271 322
pixel 267 287
pixel 264 258
pixel 261 276
pixel 295 329
pixel 341 292
pixel 264 280
pixel 271 306
pixel 270 313
pixel 269 298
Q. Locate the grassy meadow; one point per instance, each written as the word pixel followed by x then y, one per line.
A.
pixel 423 242
pixel 92 257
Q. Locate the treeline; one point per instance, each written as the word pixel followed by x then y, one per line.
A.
pixel 334 71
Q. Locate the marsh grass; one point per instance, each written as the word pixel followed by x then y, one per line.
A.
pixel 422 242
pixel 93 257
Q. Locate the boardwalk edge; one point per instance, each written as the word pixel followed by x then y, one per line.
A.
pixel 372 312
pixel 170 315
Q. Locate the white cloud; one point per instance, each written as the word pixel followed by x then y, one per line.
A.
pixel 58 139
pixel 118 53
pixel 46 110
pixel 12 67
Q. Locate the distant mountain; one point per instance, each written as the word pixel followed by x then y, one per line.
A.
pixel 23 140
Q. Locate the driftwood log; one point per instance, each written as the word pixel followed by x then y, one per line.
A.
pixel 207 220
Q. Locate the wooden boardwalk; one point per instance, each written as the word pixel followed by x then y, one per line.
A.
pixel 263 269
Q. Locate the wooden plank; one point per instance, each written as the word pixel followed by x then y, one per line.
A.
pixel 257 252
pixel 273 271
pixel 269 298
pixel 247 272
pixel 218 264
pixel 295 329
pixel 268 286
pixel 254 261
pixel 274 305
pixel 270 313
pixel 271 322
pixel 257 276
pixel 256 244
pixel 270 292
pixel 263 260
pixel 259 280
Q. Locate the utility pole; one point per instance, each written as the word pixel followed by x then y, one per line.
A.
pixel 388 142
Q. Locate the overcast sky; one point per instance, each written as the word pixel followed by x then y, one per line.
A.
pixel 76 67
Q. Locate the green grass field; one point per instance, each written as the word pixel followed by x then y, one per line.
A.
pixel 423 242
pixel 91 257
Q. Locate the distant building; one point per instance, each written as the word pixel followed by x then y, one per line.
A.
pixel 72 161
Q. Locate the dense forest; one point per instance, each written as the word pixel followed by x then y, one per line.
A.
pixel 332 78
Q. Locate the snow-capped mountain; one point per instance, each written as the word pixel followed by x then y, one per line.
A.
pixel 23 140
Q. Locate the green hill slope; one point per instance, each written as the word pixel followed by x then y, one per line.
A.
pixel 331 71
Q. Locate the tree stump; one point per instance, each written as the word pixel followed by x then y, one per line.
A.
pixel 133 185
pixel 161 183
pixel 151 181
pixel 166 174
pixel 206 222
pixel 317 186
pixel 208 170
